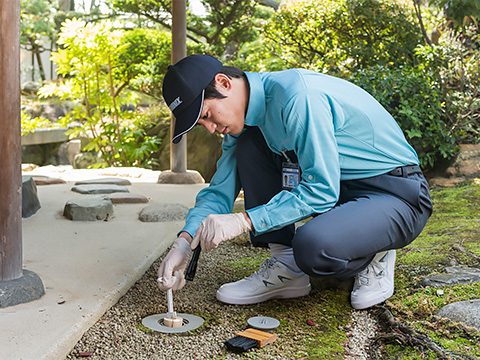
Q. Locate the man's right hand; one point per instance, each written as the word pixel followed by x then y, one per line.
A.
pixel 171 271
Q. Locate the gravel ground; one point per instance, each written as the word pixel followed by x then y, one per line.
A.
pixel 119 334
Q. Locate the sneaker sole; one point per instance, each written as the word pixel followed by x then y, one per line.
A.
pixel 371 302
pixel 289 293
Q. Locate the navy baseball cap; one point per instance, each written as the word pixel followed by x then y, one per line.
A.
pixel 184 89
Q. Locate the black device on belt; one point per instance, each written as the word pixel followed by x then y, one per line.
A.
pixel 406 170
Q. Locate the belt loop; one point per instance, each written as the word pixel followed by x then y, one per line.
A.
pixel 404 171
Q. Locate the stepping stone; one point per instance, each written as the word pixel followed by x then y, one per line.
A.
pixel 99 189
pixel 111 180
pixel 30 201
pixel 46 180
pixel 467 312
pixel 89 208
pixel 163 212
pixel 455 275
pixel 127 198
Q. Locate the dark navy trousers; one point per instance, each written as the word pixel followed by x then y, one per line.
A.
pixel 372 215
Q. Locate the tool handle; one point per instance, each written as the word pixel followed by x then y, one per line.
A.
pixel 170 301
pixel 192 266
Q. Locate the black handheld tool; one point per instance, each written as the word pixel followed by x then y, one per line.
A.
pixel 192 266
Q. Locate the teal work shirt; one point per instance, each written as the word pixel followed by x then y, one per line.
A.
pixel 337 130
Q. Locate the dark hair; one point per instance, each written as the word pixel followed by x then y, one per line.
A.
pixel 232 72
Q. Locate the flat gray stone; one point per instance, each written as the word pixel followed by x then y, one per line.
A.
pixel 89 208
pixel 163 212
pixel 45 136
pixel 188 177
pixel 19 291
pixel 99 189
pixel 455 275
pixel 30 201
pixel 102 181
pixel 46 180
pixel 467 312
pixel 127 198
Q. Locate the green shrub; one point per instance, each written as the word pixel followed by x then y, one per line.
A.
pixel 30 124
pixel 344 35
pixel 456 68
pixel 145 59
pixel 91 58
pixel 414 98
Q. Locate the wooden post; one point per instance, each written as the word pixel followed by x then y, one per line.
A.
pixel 178 173
pixel 10 150
pixel 178 152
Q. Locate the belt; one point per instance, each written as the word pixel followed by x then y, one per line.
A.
pixel 406 170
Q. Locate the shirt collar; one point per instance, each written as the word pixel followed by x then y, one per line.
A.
pixel 256 102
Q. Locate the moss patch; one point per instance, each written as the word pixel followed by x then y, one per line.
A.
pixel 451 237
pixel 313 325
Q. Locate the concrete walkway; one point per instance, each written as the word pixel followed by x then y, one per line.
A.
pixel 85 266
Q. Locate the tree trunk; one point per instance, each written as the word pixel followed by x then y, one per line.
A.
pixel 66 5
pixel 38 56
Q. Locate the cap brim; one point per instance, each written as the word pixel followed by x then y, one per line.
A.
pixel 185 121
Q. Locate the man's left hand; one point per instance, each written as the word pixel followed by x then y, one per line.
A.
pixel 217 228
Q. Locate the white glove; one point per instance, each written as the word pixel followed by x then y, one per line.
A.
pixel 170 273
pixel 217 228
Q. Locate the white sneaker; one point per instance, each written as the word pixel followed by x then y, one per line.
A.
pixel 273 280
pixel 374 284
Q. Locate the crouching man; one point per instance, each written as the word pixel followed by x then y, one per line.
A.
pixel 301 144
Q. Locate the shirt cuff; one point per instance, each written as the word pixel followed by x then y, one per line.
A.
pixel 260 219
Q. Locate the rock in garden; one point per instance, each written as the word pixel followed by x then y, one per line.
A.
pixel 89 208
pixel 467 312
pixel 68 150
pixel 31 88
pixel 99 189
pixel 30 201
pixel 163 212
pixel 455 275
pixel 127 198
pixel 47 180
pixel 27 288
pixel 103 181
pixel 467 162
pixel 84 160
pixel 188 177
pixel 52 112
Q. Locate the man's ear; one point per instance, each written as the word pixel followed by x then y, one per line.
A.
pixel 223 82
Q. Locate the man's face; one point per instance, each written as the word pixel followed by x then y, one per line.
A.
pixel 224 116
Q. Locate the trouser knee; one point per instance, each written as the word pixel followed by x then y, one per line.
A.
pixel 319 254
pixel 315 255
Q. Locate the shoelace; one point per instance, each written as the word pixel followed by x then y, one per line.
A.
pixel 373 269
pixel 266 265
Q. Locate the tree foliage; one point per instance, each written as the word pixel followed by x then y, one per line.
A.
pixel 455 69
pixel 37 26
pixel 459 13
pixel 431 88
pixel 145 59
pixel 226 25
pixel 91 58
pixel 344 35
pixel 414 98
